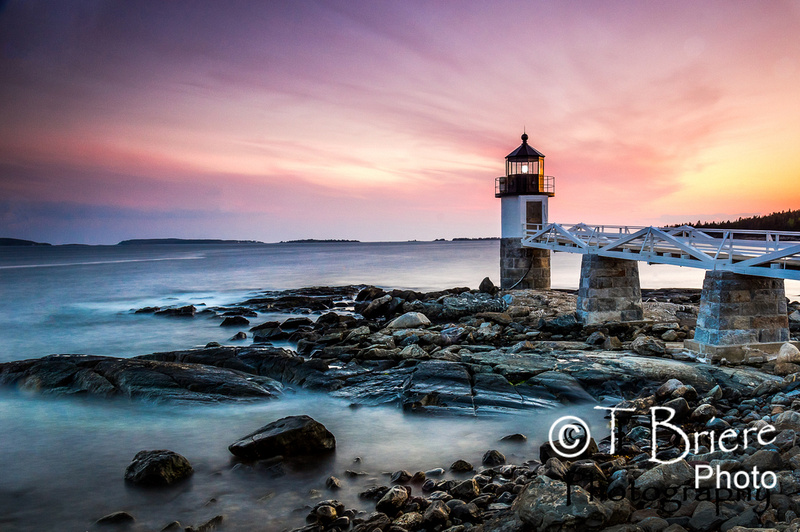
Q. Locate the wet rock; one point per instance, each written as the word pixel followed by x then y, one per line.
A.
pixel 158 468
pixel 187 311
pixel 401 477
pixel 239 336
pixel 289 436
pixel 333 483
pixel 374 308
pixel 139 377
pixel 542 505
pixel 555 469
pixel 461 466
pixel 393 501
pixel 469 513
pixel 703 413
pixel 409 521
pixel 493 458
pixel 234 321
pixel 116 518
pixel 515 438
pixel 466 490
pixel 436 514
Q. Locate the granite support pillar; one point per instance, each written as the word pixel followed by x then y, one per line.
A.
pixel 609 290
pixel 738 310
pixel 530 265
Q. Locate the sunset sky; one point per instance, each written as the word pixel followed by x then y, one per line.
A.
pixel 379 120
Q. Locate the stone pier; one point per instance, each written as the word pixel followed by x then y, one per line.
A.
pixel 609 290
pixel 738 311
pixel 517 261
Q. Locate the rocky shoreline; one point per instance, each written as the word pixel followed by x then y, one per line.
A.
pixel 482 352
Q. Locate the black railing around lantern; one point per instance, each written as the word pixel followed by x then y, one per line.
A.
pixel 522 184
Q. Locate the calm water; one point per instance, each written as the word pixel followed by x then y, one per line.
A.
pixel 62 460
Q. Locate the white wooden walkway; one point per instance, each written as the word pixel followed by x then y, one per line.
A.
pixel 763 253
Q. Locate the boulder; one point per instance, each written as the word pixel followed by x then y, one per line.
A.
pixel 663 476
pixel 180 312
pixel 158 468
pixel 648 346
pixel 116 518
pixel 542 506
pixel 409 320
pixel 487 287
pixel 493 458
pixel 289 436
pixel 392 501
pixel 234 321
pixel 461 466
pixel 788 354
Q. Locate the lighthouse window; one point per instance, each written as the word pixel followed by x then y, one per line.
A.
pixel 524 168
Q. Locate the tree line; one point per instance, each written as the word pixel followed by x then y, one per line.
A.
pixel 777 221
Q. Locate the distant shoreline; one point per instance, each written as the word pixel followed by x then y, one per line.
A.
pixel 17 242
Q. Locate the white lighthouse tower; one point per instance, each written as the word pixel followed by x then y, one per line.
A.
pixel 523 193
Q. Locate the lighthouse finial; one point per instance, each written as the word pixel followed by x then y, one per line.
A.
pixel 524 136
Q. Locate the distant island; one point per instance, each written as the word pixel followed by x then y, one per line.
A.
pixel 777 221
pixel 147 241
pixel 317 241
pixel 19 242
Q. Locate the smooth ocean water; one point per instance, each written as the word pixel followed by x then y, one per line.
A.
pixel 62 460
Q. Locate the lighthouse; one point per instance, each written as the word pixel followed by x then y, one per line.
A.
pixel 523 193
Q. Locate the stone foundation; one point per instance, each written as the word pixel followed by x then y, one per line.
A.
pixel 609 290
pixel 517 261
pixel 741 309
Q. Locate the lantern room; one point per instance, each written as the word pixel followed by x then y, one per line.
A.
pixel 524 173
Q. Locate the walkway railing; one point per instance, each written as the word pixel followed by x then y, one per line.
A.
pixel 764 253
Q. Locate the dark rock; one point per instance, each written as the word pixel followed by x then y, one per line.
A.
pixel 180 312
pixel 234 321
pixel 702 413
pixel 461 466
pixel 241 335
pixel 208 526
pixel 546 451
pixel 116 518
pixel 333 483
pixel 401 477
pixel 487 287
pixel 369 293
pixel 436 514
pixel 515 438
pixel 158 468
pixel 393 501
pixel 289 436
pixel 466 490
pixel 596 338
pixel 493 458
pixel 562 324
